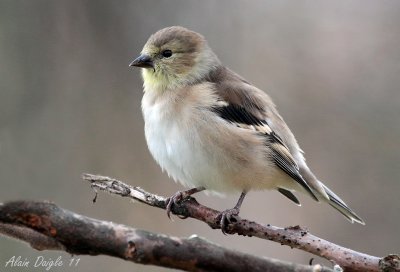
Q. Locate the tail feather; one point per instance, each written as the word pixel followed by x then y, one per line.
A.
pixel 339 205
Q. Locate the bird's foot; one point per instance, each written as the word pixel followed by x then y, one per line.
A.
pixel 228 217
pixel 175 200
pixel 180 196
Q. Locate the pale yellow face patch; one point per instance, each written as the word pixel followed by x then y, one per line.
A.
pixel 168 72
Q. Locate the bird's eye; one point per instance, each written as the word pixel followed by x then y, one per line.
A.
pixel 166 53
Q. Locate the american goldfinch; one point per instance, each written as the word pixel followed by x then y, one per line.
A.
pixel 211 129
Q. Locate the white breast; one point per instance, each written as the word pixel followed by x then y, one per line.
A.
pixel 173 139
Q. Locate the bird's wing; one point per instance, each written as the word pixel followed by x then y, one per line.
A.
pixel 243 105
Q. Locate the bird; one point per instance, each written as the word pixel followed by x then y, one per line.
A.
pixel 211 129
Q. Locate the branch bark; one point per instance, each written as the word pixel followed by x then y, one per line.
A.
pixel 295 236
pixel 46 226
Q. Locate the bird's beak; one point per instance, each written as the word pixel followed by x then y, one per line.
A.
pixel 143 61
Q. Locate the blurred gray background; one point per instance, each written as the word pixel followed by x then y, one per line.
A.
pixel 70 104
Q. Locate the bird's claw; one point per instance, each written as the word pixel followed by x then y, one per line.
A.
pixel 228 217
pixel 175 200
pixel 179 197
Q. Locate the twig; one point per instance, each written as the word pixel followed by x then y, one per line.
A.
pixel 295 237
pixel 46 226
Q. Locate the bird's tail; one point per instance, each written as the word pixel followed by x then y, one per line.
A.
pixel 339 205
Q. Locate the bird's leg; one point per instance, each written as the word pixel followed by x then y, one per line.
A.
pixel 227 215
pixel 179 196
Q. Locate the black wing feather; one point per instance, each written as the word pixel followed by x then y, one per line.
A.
pixel 237 114
pixel 289 195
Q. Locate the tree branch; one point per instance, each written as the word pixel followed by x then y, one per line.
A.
pixel 295 237
pixel 46 226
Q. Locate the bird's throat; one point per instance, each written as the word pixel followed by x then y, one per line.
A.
pixel 155 81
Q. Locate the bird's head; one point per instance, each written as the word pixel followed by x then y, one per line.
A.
pixel 174 57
